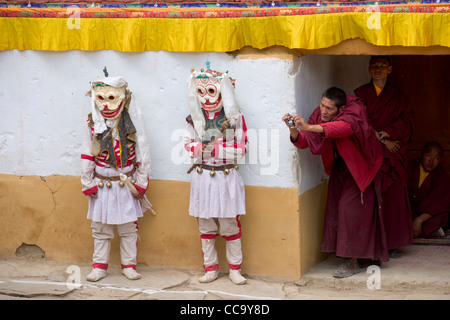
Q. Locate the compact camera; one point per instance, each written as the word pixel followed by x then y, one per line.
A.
pixel 290 122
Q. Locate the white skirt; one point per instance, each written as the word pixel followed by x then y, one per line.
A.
pixel 115 205
pixel 221 196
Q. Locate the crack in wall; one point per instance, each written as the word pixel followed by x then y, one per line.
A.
pixel 53 191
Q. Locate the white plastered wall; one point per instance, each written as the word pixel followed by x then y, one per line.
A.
pixel 44 109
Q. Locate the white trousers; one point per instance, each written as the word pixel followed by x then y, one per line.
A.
pixel 230 230
pixel 103 233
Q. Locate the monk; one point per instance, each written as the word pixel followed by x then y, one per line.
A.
pixel 339 131
pixel 391 116
pixel 429 192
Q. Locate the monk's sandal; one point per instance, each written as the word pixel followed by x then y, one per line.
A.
pixel 347 268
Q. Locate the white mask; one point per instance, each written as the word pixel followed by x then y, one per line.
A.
pixel 110 100
pixel 209 93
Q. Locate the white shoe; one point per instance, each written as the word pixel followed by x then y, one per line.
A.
pixel 209 276
pixel 96 274
pixel 438 233
pixel 131 274
pixel 236 277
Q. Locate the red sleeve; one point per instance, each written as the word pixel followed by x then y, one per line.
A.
pixel 300 142
pixel 92 190
pixel 337 129
pixel 140 189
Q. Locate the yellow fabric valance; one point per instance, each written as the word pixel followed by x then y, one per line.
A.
pixel 221 30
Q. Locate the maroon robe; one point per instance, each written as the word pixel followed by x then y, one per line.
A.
pixel 352 156
pixel 433 196
pixel 391 112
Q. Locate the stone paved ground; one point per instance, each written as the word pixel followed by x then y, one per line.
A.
pixel 422 273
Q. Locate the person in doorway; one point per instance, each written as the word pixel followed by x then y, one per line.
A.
pixel 216 136
pixel 391 116
pixel 115 163
pixel 339 131
pixel 429 192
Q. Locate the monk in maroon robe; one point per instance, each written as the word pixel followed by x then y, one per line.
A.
pixel 339 131
pixel 429 192
pixel 391 116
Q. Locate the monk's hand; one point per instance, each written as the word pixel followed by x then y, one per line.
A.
pixel 290 122
pixel 300 123
pixel 383 135
pixel 294 121
pixel 392 146
pixel 417 227
pixel 377 135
